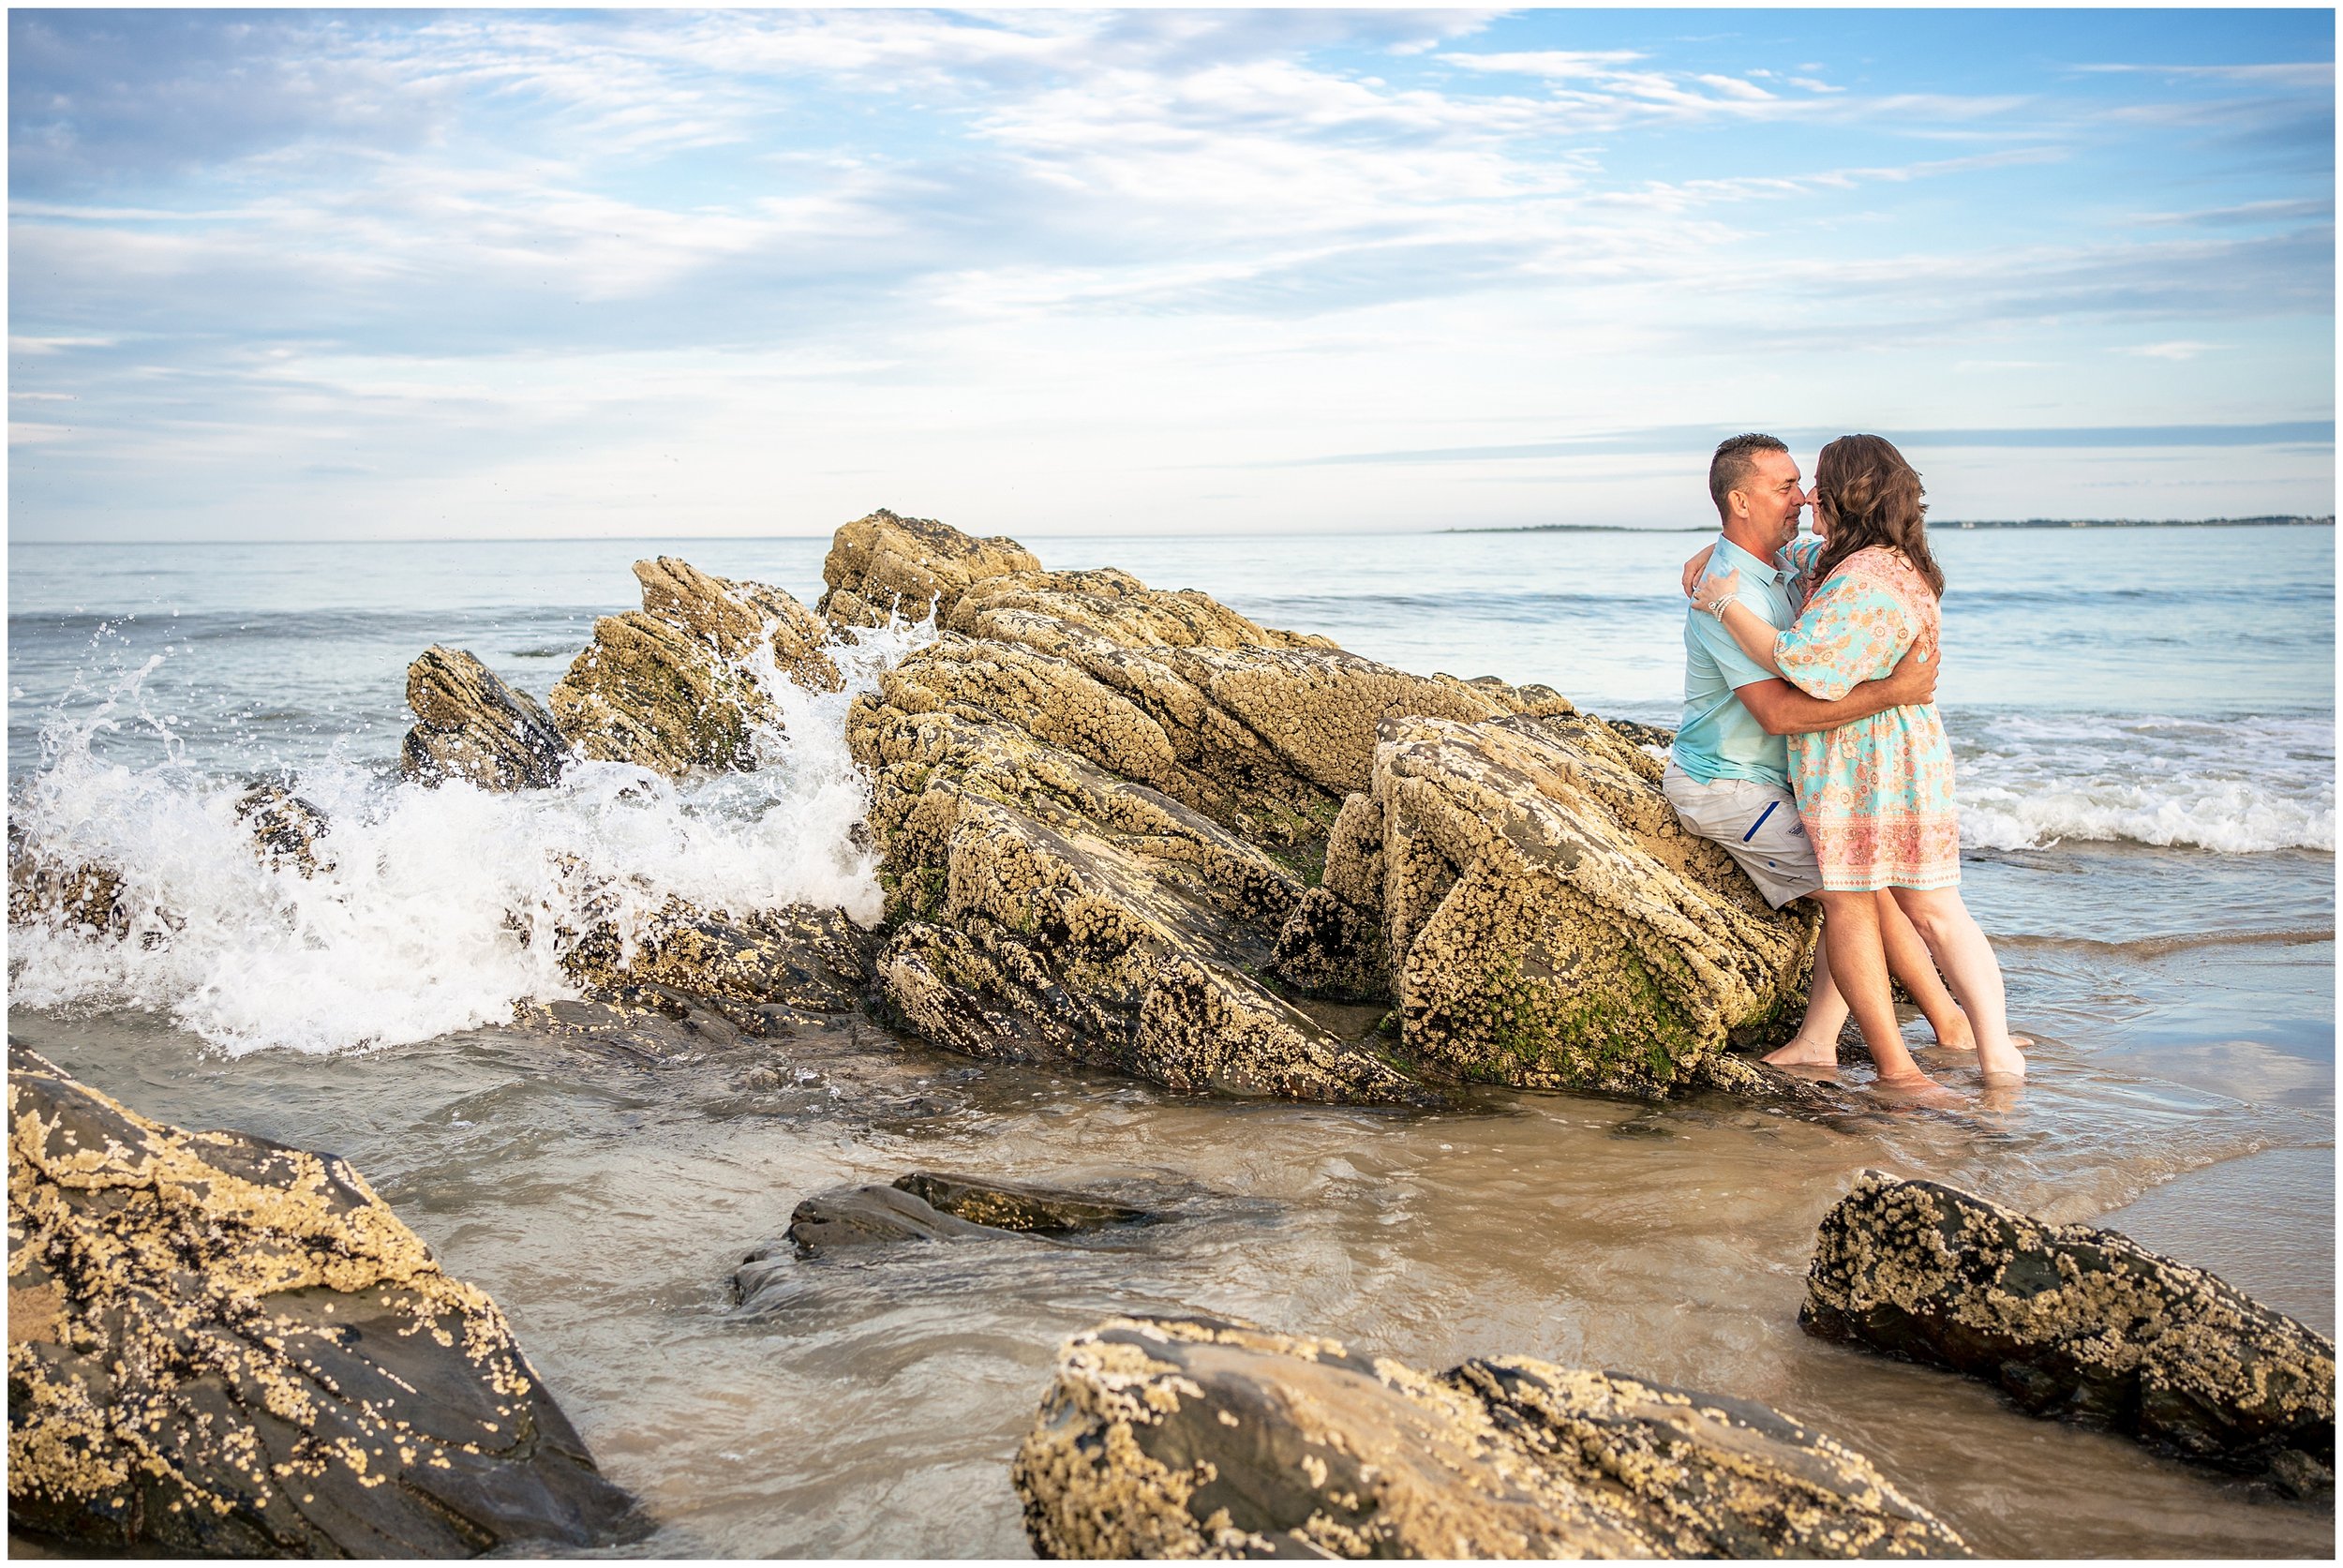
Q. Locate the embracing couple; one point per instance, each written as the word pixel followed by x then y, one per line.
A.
pixel 1811 749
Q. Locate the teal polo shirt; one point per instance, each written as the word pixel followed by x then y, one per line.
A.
pixel 1719 738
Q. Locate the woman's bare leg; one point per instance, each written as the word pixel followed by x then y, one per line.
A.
pixel 1858 967
pixel 1970 970
pixel 1908 961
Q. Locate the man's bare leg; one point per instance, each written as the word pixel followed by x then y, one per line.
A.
pixel 1816 1042
pixel 1970 970
pixel 1858 967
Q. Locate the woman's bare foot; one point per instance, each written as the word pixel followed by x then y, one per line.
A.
pixel 2003 1066
pixel 1917 1088
pixel 1803 1053
pixel 1960 1037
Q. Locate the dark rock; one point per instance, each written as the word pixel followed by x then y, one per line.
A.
pixel 1186 1437
pixel 2077 1323
pixel 470 726
pixel 221 1346
pixel 1015 1206
pixel 927 1205
pixel 870 1216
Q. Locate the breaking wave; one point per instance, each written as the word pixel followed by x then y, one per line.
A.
pixel 2237 786
pixel 432 910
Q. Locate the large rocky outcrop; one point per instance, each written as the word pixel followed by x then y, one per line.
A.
pixel 221 1346
pixel 883 565
pixel 674 685
pixel 2070 1321
pixel 470 726
pixel 1193 1438
pixel 1129 828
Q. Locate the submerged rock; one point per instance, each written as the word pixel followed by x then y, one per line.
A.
pixel 883 565
pixel 470 726
pixel 1018 1205
pixel 867 1216
pixel 674 685
pixel 1195 1438
pixel 924 1205
pixel 2074 1322
pixel 221 1346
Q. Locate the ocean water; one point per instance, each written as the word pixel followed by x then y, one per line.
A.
pixel 2143 722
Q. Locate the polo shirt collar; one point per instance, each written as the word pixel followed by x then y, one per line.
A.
pixel 1731 555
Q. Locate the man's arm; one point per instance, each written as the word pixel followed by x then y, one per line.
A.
pixel 1781 708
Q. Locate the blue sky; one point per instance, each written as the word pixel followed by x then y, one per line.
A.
pixel 319 274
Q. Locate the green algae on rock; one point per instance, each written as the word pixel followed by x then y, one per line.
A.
pixel 1548 923
pixel 1201 1438
pixel 2075 1321
pixel 221 1346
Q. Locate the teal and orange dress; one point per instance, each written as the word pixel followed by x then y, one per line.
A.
pixel 1876 795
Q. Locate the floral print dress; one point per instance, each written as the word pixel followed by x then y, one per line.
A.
pixel 1876 795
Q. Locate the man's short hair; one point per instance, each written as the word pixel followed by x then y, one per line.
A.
pixel 1732 465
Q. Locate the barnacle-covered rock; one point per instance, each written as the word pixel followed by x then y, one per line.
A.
pixel 1548 922
pixel 682 980
pixel 470 726
pixel 1198 1438
pixel 221 1346
pixel 2076 1322
pixel 883 565
pixel 675 685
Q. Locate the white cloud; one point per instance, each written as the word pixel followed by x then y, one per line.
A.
pixel 2178 349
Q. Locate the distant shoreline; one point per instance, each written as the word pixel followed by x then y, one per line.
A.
pixel 1999 522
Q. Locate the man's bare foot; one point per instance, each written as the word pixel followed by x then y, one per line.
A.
pixel 1806 1054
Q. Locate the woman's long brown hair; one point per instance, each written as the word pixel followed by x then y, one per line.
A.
pixel 1873 497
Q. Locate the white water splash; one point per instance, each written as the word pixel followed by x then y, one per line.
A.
pixel 414 927
pixel 2236 786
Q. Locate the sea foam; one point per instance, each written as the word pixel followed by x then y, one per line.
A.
pixel 434 909
pixel 2241 786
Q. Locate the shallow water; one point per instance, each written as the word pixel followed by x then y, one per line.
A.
pixel 2149 842
pixel 873 1408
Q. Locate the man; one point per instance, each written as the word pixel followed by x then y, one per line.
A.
pixel 1728 776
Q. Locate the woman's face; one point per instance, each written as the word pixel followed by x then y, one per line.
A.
pixel 1820 511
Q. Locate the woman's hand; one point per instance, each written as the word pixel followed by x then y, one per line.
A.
pixel 1694 567
pixel 1711 593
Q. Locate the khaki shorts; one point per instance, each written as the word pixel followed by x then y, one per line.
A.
pixel 1757 823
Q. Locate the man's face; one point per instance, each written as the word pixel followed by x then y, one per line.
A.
pixel 1773 497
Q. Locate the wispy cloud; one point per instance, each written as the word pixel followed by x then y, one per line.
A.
pixel 415 248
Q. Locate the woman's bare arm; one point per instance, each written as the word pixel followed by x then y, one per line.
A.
pixel 1748 629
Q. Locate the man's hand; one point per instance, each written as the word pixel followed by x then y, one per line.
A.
pixel 1913 682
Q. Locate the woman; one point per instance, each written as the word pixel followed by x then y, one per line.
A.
pixel 1876 795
